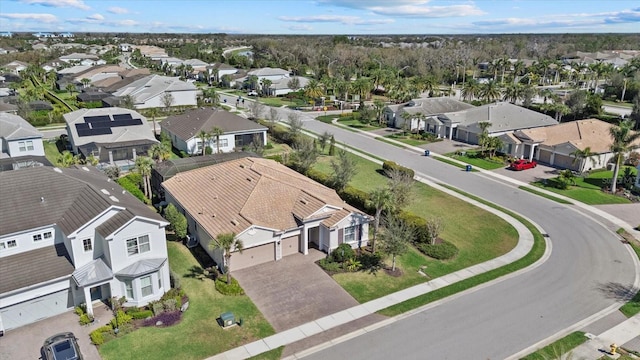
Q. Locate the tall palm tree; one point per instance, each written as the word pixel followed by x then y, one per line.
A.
pixel 266 86
pixel 581 155
pixel 381 200
pixel 204 138
pixel 490 91
pixel 470 89
pixel 70 88
pixel 313 90
pixel 228 243
pixel 483 138
pixel 160 152
pixel 143 166
pixel 216 132
pixel 623 142
pixel 512 93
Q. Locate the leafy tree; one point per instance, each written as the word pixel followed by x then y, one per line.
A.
pixel 400 185
pixel 127 102
pixel 70 88
pixel 295 127
pixel 143 166
pixel 344 168
pixel 623 142
pixel 395 238
pixel 167 101
pixel 160 152
pixel 332 146
pixel 434 227
pixel 257 144
pixel 593 105
pixel 323 139
pixel 256 109
pixel 581 155
pixel 228 243
pixel 112 172
pixel 66 159
pixel 294 83
pixel 380 199
pixel 635 112
pixel 216 132
pixel 483 137
pixel 177 220
pixel 577 102
pixel 305 154
pixel 274 117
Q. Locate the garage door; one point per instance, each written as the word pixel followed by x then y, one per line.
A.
pixel 253 256
pixel 544 156
pixel 565 161
pixel 31 311
pixel 290 245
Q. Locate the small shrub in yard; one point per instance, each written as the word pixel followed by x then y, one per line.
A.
pixel 142 314
pixel 388 166
pixel 442 251
pixel 330 266
pixel 370 262
pixel 122 318
pixel 167 319
pixel 96 337
pixel 85 319
pixel 229 289
pixel 157 308
pixel 169 305
pixel 342 253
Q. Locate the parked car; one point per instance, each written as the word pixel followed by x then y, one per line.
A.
pixel 522 165
pixel 62 346
pixel 252 93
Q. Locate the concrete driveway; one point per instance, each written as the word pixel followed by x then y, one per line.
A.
pixel 26 342
pixel 530 175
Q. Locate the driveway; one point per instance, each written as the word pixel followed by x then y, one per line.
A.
pixel 530 175
pixel 26 342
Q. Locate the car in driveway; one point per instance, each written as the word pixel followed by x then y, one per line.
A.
pixel 522 164
pixel 62 346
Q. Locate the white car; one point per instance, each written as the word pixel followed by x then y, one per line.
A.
pixel 252 93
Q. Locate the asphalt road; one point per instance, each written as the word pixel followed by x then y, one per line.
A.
pixel 586 267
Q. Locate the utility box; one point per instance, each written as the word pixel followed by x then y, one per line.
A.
pixel 227 319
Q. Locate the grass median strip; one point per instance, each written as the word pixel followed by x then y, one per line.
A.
pixel 558 348
pixel 534 254
pixel 544 195
pixel 633 306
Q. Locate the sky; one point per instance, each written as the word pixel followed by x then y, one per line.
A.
pixel 349 17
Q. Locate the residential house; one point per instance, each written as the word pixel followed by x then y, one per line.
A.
pixel 504 118
pixel 555 144
pixel 65 35
pixel 8 50
pixel 214 73
pixel 70 237
pixel 429 107
pixel 637 184
pixel 76 58
pixel 151 92
pixel 274 210
pixel 16 67
pixel 113 135
pixel 284 86
pixel 21 143
pixel 44 35
pixel 184 130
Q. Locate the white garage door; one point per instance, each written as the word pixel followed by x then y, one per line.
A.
pixel 40 308
pixel 253 256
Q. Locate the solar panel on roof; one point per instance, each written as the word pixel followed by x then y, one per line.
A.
pixel 101 131
pixel 101 124
pixel 130 122
pixel 82 126
pixel 122 117
pixel 97 118
pixel 84 132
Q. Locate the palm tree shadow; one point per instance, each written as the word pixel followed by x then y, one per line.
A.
pixel 616 291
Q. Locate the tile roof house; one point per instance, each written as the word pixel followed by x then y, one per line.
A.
pixel 555 144
pixel 214 73
pixel 274 210
pixel 114 135
pixel 430 107
pixel 21 143
pixel 150 91
pixel 16 67
pixel 70 237
pixel 237 132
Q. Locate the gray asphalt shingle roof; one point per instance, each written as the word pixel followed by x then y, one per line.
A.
pixel 47 263
pixel 14 127
pixel 189 124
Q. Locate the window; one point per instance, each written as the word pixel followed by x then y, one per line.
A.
pixel 22 147
pixel 3 246
pixel 11 244
pixel 349 234
pixel 30 145
pixel 138 245
pixel 47 235
pixel 159 281
pixel 223 143
pixel 86 243
pixel 145 286
pixel 37 237
pixel 128 285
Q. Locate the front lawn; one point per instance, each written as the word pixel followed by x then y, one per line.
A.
pixel 472 158
pixel 278 102
pixel 588 189
pixel 51 151
pixel 410 139
pixel 357 124
pixel 558 348
pixel 198 335
pixel 479 235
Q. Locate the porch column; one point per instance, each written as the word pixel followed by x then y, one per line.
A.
pixel 533 146
pixel 305 241
pixel 87 299
pixel 111 157
pixel 134 153
pixel 450 136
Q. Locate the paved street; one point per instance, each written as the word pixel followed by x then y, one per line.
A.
pixel 568 288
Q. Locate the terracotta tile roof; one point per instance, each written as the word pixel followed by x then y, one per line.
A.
pixel 237 194
pixel 592 133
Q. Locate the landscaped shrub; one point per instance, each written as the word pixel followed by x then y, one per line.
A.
pixel 329 265
pixel 96 337
pixel 166 318
pixel 342 253
pixel 170 305
pixel 122 319
pixel 275 157
pixel 319 176
pixel 390 166
pixel 174 279
pixel 132 188
pixel 157 308
pixel 370 262
pixel 229 289
pixel 85 319
pixel 141 314
pixel 356 198
pixel 417 224
pixel 442 251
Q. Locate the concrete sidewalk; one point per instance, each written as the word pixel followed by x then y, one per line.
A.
pixel 597 346
pixel 317 326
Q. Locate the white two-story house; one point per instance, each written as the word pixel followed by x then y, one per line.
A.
pixel 72 236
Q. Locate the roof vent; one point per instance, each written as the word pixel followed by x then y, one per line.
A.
pixel 213 215
pixel 249 179
pixel 105 191
pixel 114 199
pixel 234 222
pixel 304 201
pixel 202 211
pixel 41 198
pixel 242 166
pixel 58 170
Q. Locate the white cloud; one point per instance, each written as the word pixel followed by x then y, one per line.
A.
pixel 96 17
pixel 128 22
pixel 360 4
pixel 299 27
pixel 342 19
pixel 45 18
pixel 118 10
pixel 59 3
pixel 408 8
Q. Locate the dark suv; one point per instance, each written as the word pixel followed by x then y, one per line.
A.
pixel 62 346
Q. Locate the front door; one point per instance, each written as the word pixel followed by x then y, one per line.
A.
pixel 96 293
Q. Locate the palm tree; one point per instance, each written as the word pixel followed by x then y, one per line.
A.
pixel 160 152
pixel 143 166
pixel 216 132
pixel 483 138
pixel 313 90
pixel 153 113
pixel 70 88
pixel 512 93
pixel 204 137
pixel 228 243
pixel 490 91
pixel 266 85
pixel 85 82
pixel 470 89
pixel 623 142
pixel 381 200
pixel 66 159
pixel 581 155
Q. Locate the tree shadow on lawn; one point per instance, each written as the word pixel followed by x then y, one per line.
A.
pixel 616 291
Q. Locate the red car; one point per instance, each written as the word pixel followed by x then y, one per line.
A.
pixel 522 165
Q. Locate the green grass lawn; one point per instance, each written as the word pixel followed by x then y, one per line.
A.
pixel 198 335
pixel 357 124
pixel 51 151
pixel 483 163
pixel 559 347
pixel 633 307
pixel 277 102
pixel 406 139
pixel 478 234
pixel 588 190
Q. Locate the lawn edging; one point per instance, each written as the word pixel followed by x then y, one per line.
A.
pixel 558 347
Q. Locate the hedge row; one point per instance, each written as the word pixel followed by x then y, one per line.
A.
pixel 442 251
pixel 388 166
pixel 133 188
pixel 228 289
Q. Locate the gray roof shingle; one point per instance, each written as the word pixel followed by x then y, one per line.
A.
pixel 189 124
pixel 48 263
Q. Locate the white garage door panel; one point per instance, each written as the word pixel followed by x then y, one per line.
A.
pixel 37 309
pixel 290 245
pixel 253 256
